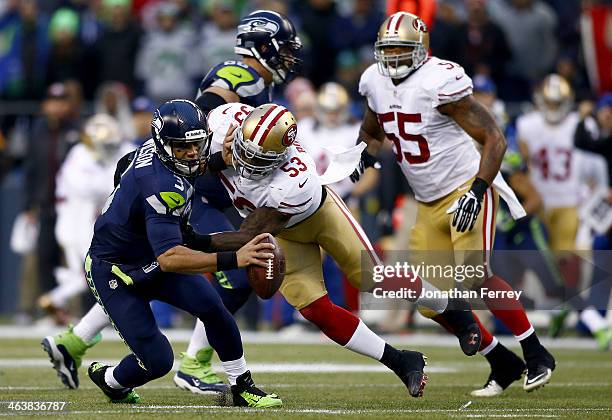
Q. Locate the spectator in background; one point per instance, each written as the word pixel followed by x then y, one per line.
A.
pixel 530 27
pixel 142 113
pixel 53 134
pixel 301 98
pixel 482 47
pixel 217 37
pixel 67 58
pixel 118 44
pixel 23 63
pixel 425 9
pixel 112 98
pixel 166 62
pixel 317 22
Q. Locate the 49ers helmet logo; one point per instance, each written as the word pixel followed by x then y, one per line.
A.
pixel 289 136
pixel 419 25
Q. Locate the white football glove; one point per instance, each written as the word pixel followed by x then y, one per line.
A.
pixel 466 209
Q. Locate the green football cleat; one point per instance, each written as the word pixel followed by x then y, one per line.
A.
pixel 196 375
pixel 603 338
pixel 557 323
pixel 119 396
pixel 246 394
pixel 66 351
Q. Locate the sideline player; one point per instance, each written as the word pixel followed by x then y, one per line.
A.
pixel 425 107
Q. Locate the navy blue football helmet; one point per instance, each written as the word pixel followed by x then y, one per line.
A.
pixel 181 123
pixel 270 38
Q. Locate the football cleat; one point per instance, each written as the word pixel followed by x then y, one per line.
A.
pixel 195 374
pixel 539 370
pixel 469 339
pixel 410 370
pixel 96 373
pixel 603 338
pixel 66 351
pixel 246 394
pixel 506 367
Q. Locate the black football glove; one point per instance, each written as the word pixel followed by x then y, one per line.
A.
pixel 366 161
pixel 467 207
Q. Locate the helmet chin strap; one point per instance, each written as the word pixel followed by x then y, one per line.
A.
pixel 278 76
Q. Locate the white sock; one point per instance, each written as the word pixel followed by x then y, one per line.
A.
pixel 91 324
pixel 526 334
pixel 234 368
pixel 437 305
pixel 593 319
pixel 198 340
pixel 490 347
pixel 110 379
pixel 366 342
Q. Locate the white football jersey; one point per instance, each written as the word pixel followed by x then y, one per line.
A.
pixel 294 188
pixel 553 161
pixel 317 138
pixel 435 154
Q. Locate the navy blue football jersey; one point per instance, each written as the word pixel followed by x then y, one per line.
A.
pixel 142 217
pixel 241 79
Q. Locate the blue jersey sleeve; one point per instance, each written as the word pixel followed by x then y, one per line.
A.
pixel 167 203
pixel 239 78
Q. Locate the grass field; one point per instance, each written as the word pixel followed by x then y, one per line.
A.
pixel 321 381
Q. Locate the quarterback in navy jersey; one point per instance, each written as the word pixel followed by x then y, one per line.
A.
pixel 140 223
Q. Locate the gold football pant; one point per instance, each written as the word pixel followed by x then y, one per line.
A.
pixel 333 228
pixel 434 241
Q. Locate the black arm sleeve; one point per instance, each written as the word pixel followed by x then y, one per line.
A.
pixel 122 165
pixel 216 163
pixel 209 101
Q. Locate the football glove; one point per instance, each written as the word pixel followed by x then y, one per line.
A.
pixel 466 208
pixel 366 161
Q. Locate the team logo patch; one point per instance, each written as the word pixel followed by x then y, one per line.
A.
pixel 258 25
pixel 290 136
pixel 113 284
pixel 419 25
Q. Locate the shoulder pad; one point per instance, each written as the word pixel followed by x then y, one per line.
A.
pixel 230 75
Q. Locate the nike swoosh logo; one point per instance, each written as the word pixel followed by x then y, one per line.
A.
pixel 459 77
pixel 237 76
pixel 537 378
pixel 175 201
pixel 302 184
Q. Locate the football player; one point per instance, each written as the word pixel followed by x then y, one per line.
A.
pixel 140 222
pixel 274 185
pixel 424 106
pixel 81 188
pixel 268 46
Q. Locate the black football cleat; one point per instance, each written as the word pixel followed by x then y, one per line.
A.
pixel 469 339
pixel 506 367
pixel 409 369
pixel 539 370
pixel 246 394
pixel 124 395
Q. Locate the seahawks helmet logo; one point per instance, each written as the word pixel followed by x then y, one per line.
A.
pixel 258 25
pixel 157 122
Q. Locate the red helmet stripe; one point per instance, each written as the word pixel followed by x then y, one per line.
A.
pixel 262 120
pixel 270 125
pixel 399 21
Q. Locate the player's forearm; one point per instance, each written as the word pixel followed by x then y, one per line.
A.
pixel 230 241
pixel 494 147
pixel 181 259
pixel 374 144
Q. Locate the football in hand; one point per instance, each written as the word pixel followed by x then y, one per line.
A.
pixel 266 281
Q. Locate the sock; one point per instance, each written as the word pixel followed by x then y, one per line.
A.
pixel 390 357
pixel 487 338
pixel 530 344
pixel 198 340
pixel 593 319
pixel 485 350
pixel 509 311
pixel 234 368
pixel 333 321
pixel 456 317
pixel 438 305
pixel 110 379
pixel 365 342
pixel 91 324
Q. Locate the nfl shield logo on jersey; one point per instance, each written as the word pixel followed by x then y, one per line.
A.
pixel 113 284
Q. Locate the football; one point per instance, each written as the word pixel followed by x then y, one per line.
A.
pixel 266 281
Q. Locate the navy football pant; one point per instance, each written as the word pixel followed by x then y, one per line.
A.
pixel 232 285
pixel 130 313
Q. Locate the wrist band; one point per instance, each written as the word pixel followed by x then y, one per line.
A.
pixel 479 187
pixel 227 260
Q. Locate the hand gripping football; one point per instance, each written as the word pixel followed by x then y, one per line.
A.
pixel 266 281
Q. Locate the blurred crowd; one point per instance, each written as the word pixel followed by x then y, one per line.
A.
pixel 62 61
